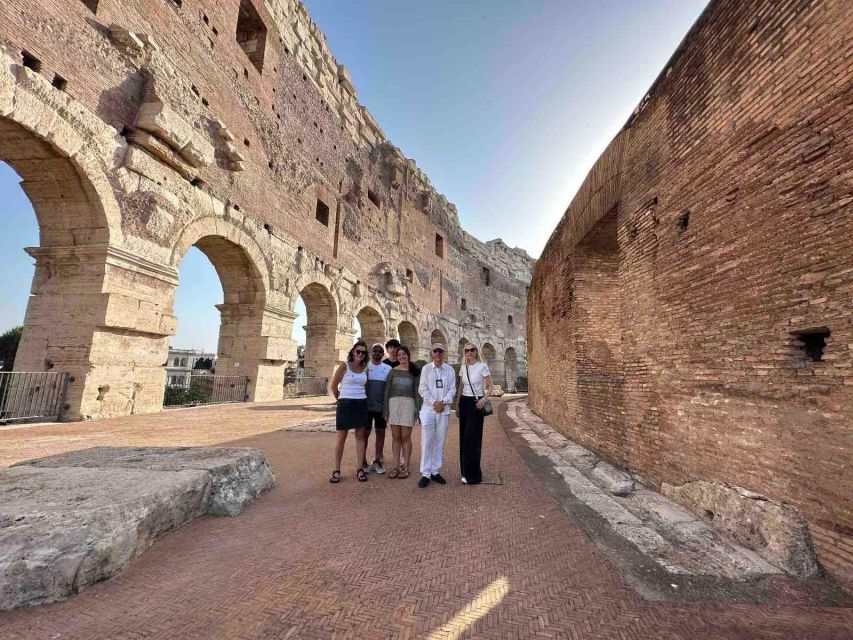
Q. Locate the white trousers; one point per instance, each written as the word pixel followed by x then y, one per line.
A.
pixel 433 434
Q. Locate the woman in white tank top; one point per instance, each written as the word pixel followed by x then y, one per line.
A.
pixel 349 386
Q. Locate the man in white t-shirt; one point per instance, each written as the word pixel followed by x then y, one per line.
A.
pixel 437 388
pixel 377 374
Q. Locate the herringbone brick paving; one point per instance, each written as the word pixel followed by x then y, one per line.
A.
pixel 384 559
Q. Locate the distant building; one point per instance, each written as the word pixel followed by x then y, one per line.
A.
pixel 181 362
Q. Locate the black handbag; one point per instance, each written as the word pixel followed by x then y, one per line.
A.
pixel 487 409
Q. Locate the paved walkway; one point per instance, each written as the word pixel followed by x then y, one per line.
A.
pixel 384 559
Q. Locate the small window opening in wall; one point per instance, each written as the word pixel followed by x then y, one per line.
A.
pixel 371 195
pixel 509 320
pixel 812 342
pixel 463 304
pixel 322 212
pixel 30 61
pixel 245 72
pixel 205 18
pixel 246 142
pixel 251 34
pixel 487 277
pixel 439 246
pixel 59 82
pixel 177 3
pixel 409 275
pixel 267 227
pixel 195 90
pixel 196 182
pixel 215 31
pixel 683 221
pixel 205 102
pixel 91 5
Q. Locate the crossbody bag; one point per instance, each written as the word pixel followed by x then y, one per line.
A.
pixel 486 410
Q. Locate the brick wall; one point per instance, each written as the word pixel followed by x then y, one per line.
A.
pixel 677 351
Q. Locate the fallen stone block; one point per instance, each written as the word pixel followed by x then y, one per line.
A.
pixel 610 478
pixel 776 531
pixel 238 475
pixel 62 529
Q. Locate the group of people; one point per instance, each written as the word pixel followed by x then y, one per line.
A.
pixel 375 392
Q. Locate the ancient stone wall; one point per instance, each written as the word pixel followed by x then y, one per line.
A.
pixel 141 129
pixel 691 317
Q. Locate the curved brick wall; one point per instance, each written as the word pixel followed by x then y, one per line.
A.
pixel 667 312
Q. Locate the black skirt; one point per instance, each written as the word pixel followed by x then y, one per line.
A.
pixel 351 414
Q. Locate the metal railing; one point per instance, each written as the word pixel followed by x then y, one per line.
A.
pixel 30 395
pixel 296 387
pixel 206 389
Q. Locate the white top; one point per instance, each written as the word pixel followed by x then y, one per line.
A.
pixel 437 385
pixel 353 385
pixel 478 372
pixel 378 371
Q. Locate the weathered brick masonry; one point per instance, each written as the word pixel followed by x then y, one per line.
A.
pixel 143 128
pixel 692 315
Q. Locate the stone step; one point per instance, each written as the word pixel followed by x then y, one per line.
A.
pixel 668 533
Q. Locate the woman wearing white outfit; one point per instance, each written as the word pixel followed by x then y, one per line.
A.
pixel 349 386
pixel 474 388
pixel 437 388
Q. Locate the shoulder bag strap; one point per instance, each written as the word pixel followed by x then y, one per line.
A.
pixel 468 375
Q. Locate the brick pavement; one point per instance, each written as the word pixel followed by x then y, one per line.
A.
pixel 387 560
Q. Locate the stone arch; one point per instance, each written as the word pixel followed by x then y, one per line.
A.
pixel 219 229
pixel 50 141
pixel 511 364
pixel 372 325
pixel 320 329
pixel 437 336
pixel 48 138
pixel 408 333
pixel 460 353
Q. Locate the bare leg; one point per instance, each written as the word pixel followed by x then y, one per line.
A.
pixel 406 435
pixel 380 444
pixel 360 446
pixel 340 440
pixel 396 444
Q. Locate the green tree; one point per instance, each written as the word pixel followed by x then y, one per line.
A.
pixel 203 364
pixel 9 347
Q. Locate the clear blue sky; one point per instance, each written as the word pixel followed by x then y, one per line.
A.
pixel 505 105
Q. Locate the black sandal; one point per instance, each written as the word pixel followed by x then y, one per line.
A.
pixel 336 476
pixel 361 475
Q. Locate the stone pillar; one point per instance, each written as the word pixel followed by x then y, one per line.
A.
pixel 98 313
pixel 255 341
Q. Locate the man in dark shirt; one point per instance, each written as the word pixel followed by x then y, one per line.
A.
pixel 391 347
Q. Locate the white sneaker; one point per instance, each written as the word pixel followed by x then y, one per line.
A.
pixel 464 481
pixel 377 467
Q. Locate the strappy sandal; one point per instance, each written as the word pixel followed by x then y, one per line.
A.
pixel 336 477
pixel 361 475
pixel 393 473
pixel 404 472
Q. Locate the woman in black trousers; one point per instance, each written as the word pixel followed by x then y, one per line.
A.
pixel 475 386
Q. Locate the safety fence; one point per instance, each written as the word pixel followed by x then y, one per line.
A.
pixel 206 389
pixel 31 395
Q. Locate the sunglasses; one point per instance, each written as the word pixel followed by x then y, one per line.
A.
pixel 470 350
pixel 438 350
pixel 360 352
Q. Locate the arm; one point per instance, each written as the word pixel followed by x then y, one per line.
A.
pixel 449 393
pixel 487 391
pixel 336 380
pixel 387 393
pixel 418 400
pixel 423 388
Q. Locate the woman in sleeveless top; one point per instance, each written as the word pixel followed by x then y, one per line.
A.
pixel 402 403
pixel 475 385
pixel 349 386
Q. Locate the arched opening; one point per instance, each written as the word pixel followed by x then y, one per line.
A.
pixel 371 326
pixel 489 356
pixel 59 302
pixel 511 364
pixel 460 355
pixel 437 337
pixel 240 303
pixel 321 316
pixel 409 337
pixel 197 298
